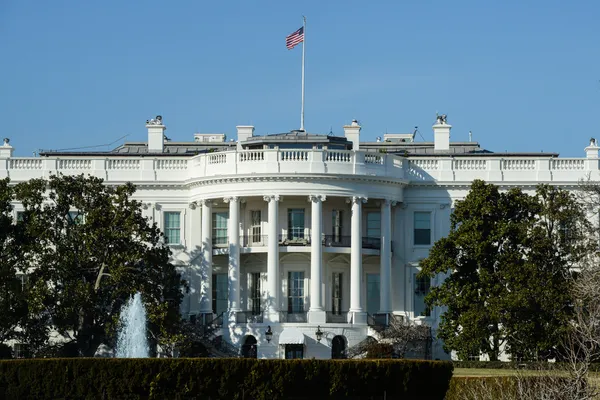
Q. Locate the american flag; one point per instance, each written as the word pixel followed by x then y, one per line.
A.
pixel 294 38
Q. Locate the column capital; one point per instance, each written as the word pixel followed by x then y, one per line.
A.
pixel 317 197
pixel 272 197
pixel 204 202
pixel 193 205
pixel 146 206
pixel 357 200
pixel 231 199
pixel 389 202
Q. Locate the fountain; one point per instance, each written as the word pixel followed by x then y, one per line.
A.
pixel 132 341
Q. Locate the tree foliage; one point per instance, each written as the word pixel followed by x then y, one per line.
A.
pixel 507 259
pixel 87 248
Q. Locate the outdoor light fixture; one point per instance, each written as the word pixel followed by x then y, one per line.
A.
pixel 269 334
pixel 319 333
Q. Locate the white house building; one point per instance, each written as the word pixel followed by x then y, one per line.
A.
pixel 296 232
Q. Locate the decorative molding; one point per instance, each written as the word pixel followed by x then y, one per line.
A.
pixel 146 206
pixel 316 198
pixel 274 197
pixel 357 199
pixel 157 206
pixel 444 205
pixel 231 199
pixel 193 205
pixel 205 202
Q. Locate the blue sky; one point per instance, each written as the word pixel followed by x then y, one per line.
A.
pixel 522 75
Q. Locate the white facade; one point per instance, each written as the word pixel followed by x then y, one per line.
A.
pixel 297 238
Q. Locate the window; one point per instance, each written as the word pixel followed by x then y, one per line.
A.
pixel 219 226
pixel 295 223
pixel 294 351
pixel 20 350
pixel 219 293
pixel 256 227
pixel 76 217
pixel 295 292
pixel 336 225
pixel 422 285
pixel 24 279
pixel 172 227
pixel 254 295
pixel 20 216
pixel 374 224
pixel 336 293
pixel 422 228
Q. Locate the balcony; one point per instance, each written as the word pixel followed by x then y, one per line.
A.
pixel 338 317
pixel 289 240
pixel 248 317
pixel 286 316
pixel 254 240
pixel 337 241
pixel 371 243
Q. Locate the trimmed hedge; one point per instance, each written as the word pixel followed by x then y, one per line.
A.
pixel 538 366
pixel 88 378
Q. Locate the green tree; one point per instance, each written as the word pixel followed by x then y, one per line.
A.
pixel 13 307
pixel 93 249
pixel 507 260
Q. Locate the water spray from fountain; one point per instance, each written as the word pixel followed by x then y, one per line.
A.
pixel 132 341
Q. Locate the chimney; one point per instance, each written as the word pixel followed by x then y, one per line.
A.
pixel 156 135
pixel 592 150
pixel 441 134
pixel 352 133
pixel 6 150
pixel 243 133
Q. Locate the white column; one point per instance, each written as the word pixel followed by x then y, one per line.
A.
pixel 359 316
pixel 272 311
pixel 206 271
pixel 385 273
pixel 233 233
pixel 316 313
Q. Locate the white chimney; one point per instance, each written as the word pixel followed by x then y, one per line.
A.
pixel 441 134
pixel 156 135
pixel 352 133
pixel 6 150
pixel 243 133
pixel 592 150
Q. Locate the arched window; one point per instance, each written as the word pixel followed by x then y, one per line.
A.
pixel 338 347
pixel 249 347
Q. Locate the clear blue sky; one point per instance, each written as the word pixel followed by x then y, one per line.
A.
pixel 522 75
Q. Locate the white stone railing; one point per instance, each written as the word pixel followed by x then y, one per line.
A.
pixel 498 169
pixel 289 161
pixel 140 169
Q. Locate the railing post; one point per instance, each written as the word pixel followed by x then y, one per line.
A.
pixel 359 162
pixel 147 172
pixel 3 168
pixel 49 167
pixel 317 161
pixel 494 169
pixel 446 170
pixel 99 169
pixel 543 170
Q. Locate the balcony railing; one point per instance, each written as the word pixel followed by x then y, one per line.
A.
pixel 371 243
pixel 289 240
pixel 337 241
pixel 287 316
pixel 245 317
pixel 221 241
pixel 254 240
pixel 338 317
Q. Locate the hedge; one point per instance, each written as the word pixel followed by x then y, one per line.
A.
pixel 538 366
pixel 88 378
pixel 507 387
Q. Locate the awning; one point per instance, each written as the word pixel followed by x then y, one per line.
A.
pixel 291 336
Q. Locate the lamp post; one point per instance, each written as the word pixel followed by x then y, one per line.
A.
pixel 269 334
pixel 319 333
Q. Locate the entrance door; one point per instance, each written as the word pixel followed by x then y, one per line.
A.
pixel 219 293
pixel 338 347
pixel 249 347
pixel 373 289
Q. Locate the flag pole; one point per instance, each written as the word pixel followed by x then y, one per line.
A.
pixel 303 46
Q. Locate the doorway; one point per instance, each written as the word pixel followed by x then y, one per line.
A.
pixel 338 347
pixel 249 348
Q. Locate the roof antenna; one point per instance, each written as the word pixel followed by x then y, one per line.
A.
pixel 417 131
pixel 331 129
pixel 470 136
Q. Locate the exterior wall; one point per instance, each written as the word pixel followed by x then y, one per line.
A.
pixel 430 184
